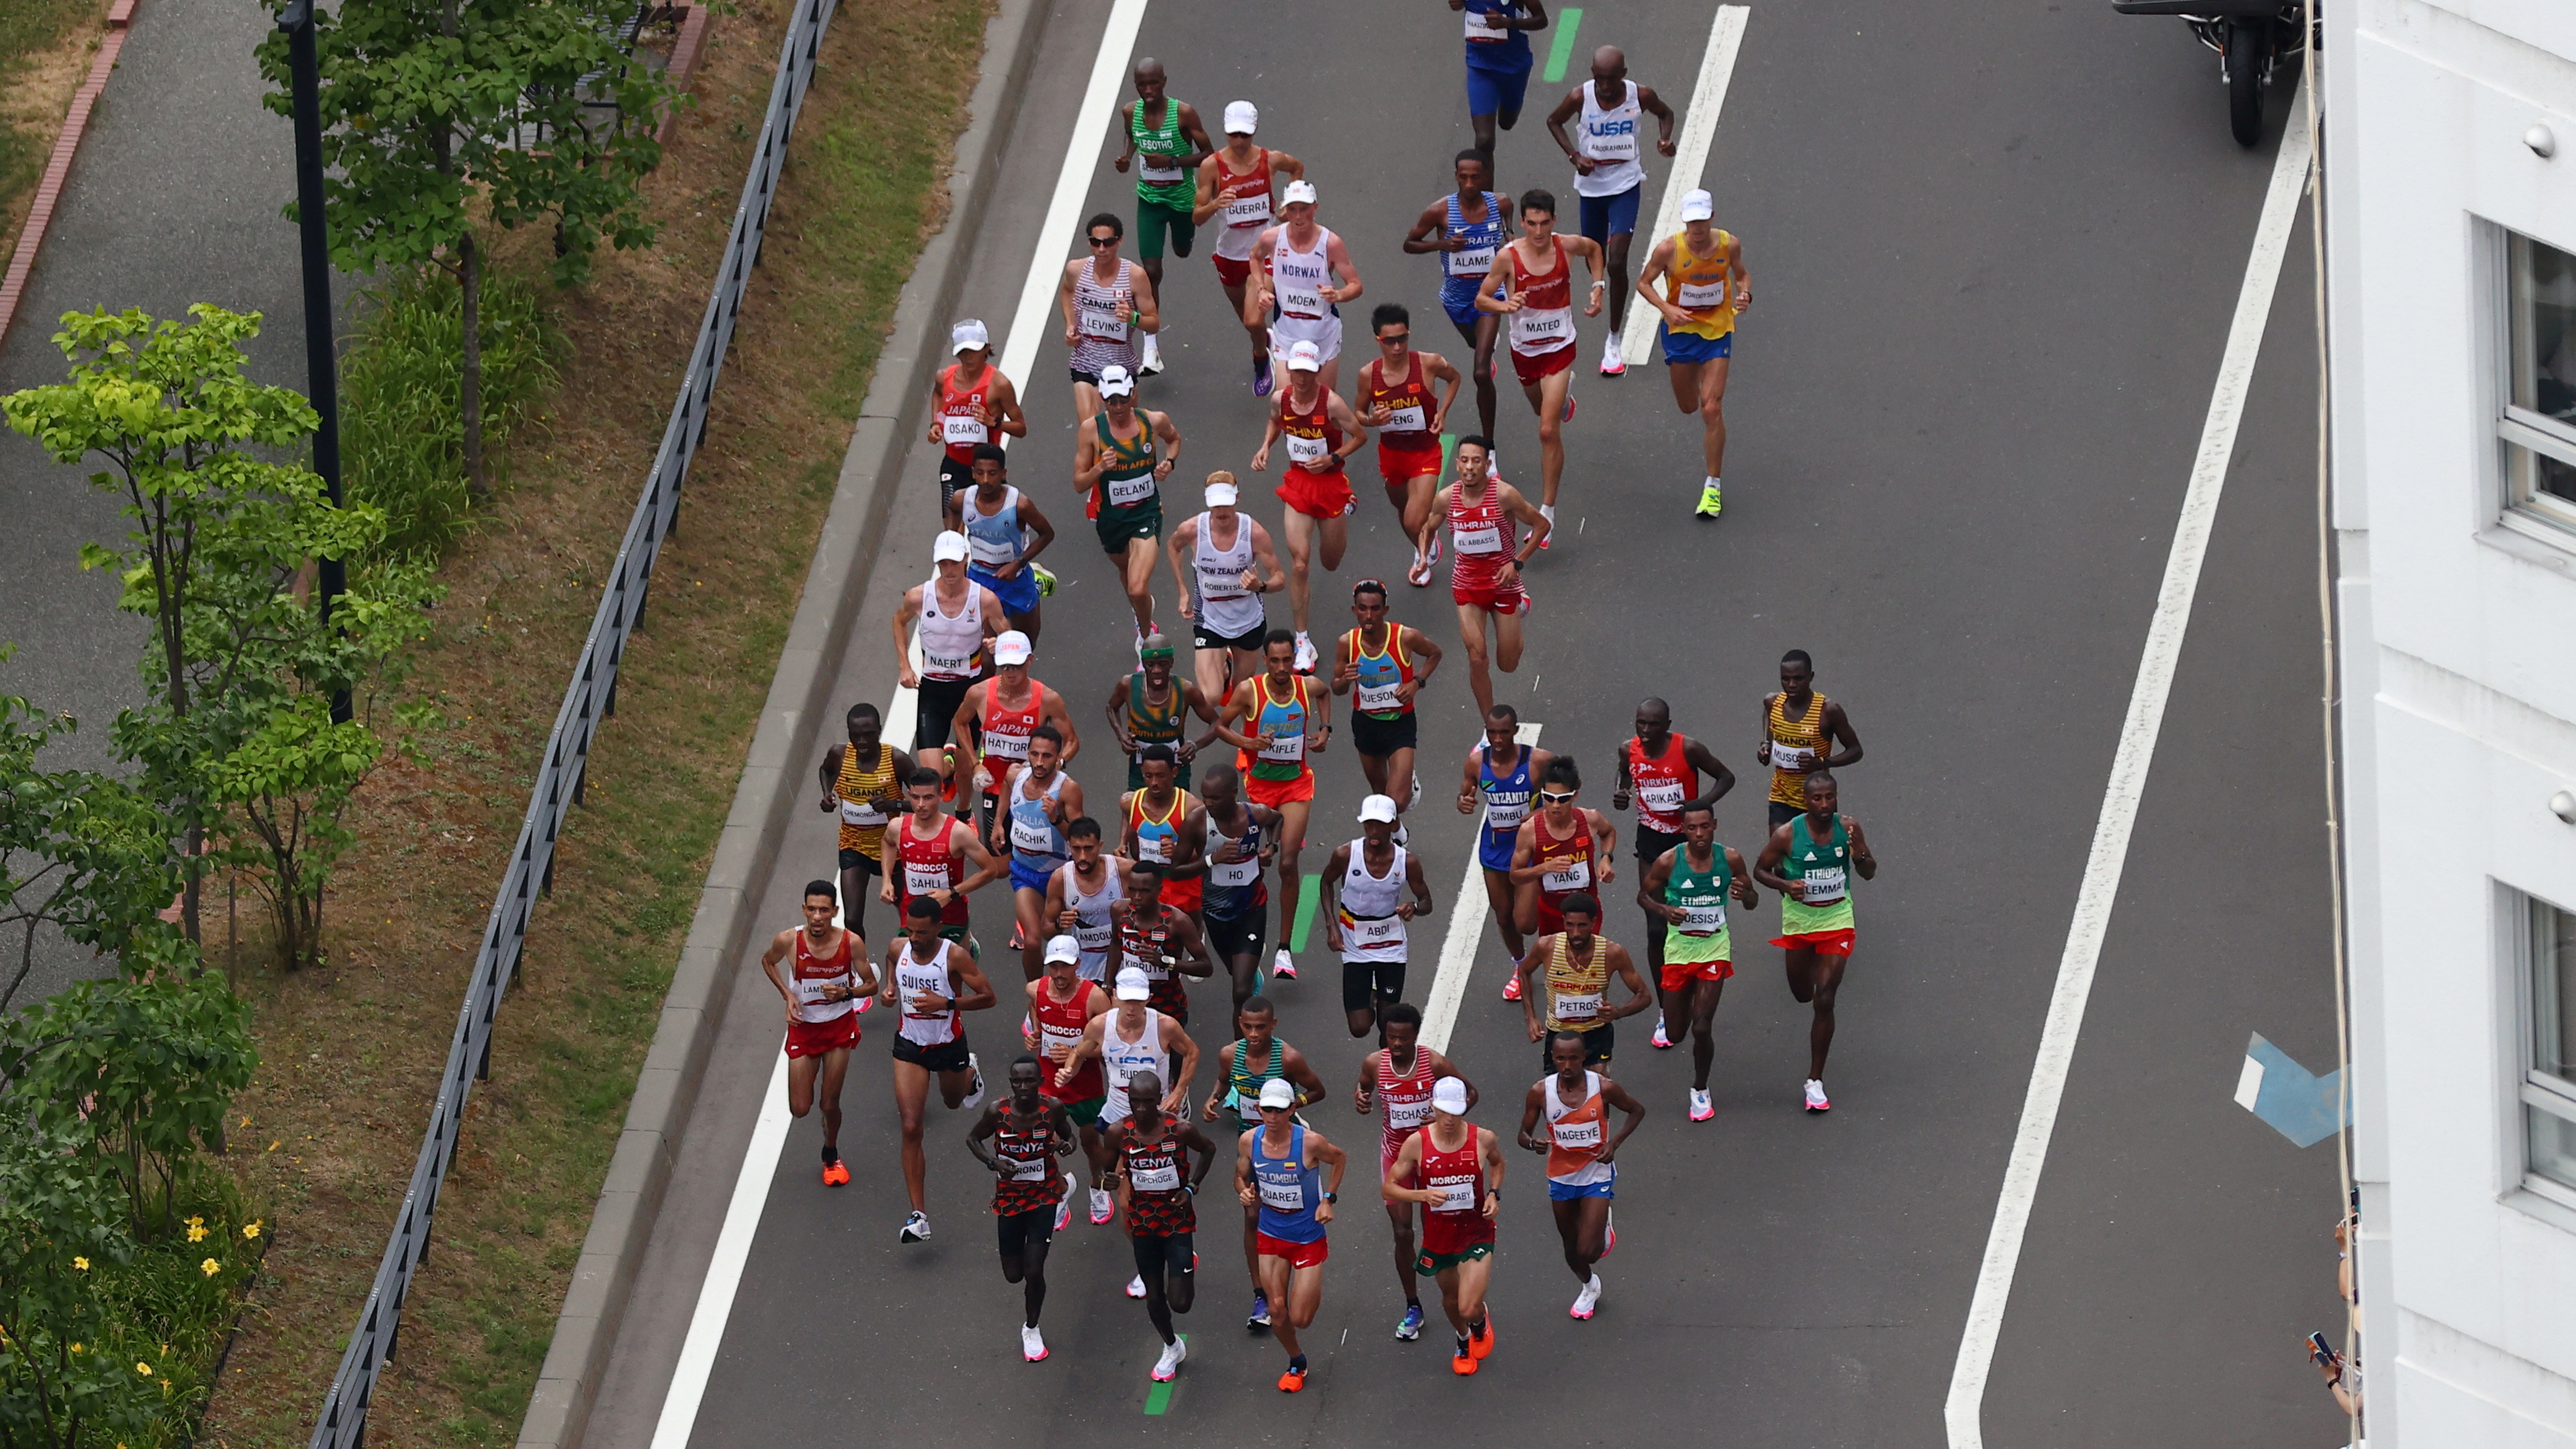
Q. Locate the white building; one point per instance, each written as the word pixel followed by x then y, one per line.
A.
pixel 2451 227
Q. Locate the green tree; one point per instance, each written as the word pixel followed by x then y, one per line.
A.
pixel 63 1384
pixel 82 853
pixel 521 111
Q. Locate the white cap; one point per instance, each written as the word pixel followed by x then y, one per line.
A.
pixel 1011 647
pixel 1063 948
pixel 1222 495
pixel 1133 985
pixel 1298 190
pixel 1378 807
pixel 1116 381
pixel 949 545
pixel 1305 357
pixel 1241 117
pixel 1449 1095
pixel 967 335
pixel 1697 206
pixel 1279 1092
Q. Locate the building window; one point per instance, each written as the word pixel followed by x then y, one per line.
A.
pixel 2549 1084
pixel 2539 423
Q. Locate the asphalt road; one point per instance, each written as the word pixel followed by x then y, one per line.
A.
pixel 1995 253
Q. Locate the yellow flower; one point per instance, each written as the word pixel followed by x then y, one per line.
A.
pixel 76 1348
pixel 251 1229
pixel 196 1232
pixel 195 1221
pixel 81 1263
pixel 272 1147
pixel 210 1267
pixel 144 1369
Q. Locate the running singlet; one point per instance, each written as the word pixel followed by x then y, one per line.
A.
pixel 1289 1191
pixel 1158 1198
pixel 1574 992
pixel 1160 177
pixel 1794 743
pixel 1409 431
pixel 1821 866
pixel 1700 895
pixel 1662 782
pixel 1607 136
pixel 1060 1025
pixel 952 645
pixel 1121 1059
pixel 1312 438
pixel 811 973
pixel 1226 608
pixel 1483 239
pixel 1698 284
pixel 1491 46
pixel 1127 482
pixel 1575 1133
pixel 1297 278
pixel 1568 860
pixel 1405 1099
pixel 1507 803
pixel 1092 927
pixel 1243 1085
pixel 862 823
pixel 1033 1182
pixel 1100 317
pixel 992 539
pixel 1380 674
pixel 1371 930
pixel 1147 725
pixel 928 865
pixel 1284 722
pixel 1158 838
pixel 1007 727
pixel 911 978
pixel 1545 322
pixel 1234 888
pixel 1249 213
pixel 1457 1221
pixel 1483 537
pixel 1037 843
pixel 1148 948
pixel 961 424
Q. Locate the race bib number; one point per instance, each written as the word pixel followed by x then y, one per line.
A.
pixel 1407 419
pixel 921 880
pixel 1283 1197
pixel 1248 211
pixel 1455 1197
pixel 1307 451
pixel 1574 876
pixel 1505 815
pixel 1571 1134
pixel 1482 30
pixel 1235 873
pixel 1472 261
pixel 1156 848
pixel 1058 1038
pixel 1032 837
pixel 1401 1116
pixel 1379 698
pixel 1661 796
pixel 947 666
pixel 1791 757
pixel 1159 167
pixel 1166 1178
pixel 1478 538
pixel 1364 935
pixel 1128 492
pixel 1700 296
pixel 1024 1171
pixel 1218 581
pixel 1090 937
pixel 1703 920
pixel 1615 142
pixel 1152 966
pixel 1824 883
pixel 1578 1008
pixel 1285 749
pixel 861 814
pixel 1299 298
pixel 1101 324
pixel 1553 327
pixel 991 553
pixel 963 428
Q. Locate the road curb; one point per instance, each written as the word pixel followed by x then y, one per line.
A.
pixel 835 584
pixel 58 165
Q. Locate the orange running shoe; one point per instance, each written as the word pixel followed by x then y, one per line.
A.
pixel 1482 1341
pixel 836 1173
pixel 1293 1380
pixel 1462 1362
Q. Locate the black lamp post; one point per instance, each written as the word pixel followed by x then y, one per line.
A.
pixel 320 359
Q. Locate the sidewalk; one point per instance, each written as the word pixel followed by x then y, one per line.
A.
pixel 175 199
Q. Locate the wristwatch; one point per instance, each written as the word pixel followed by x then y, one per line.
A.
pixel 1332 1197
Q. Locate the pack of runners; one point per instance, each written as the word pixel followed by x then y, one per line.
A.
pixel 1118 903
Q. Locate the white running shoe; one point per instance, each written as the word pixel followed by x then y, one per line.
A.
pixel 1064 1206
pixel 1612 364
pixel 1816 1096
pixel 1588 1299
pixel 1548 512
pixel 1609 1233
pixel 1032 1343
pixel 1168 1367
pixel 1402 835
pixel 915 1228
pixel 1700 1108
pixel 1417 791
pixel 1284 966
pixel 975 1096
pixel 1136 1286
pixel 1661 1042
pixel 1103 1206
pixel 1305 661
pixel 1153 362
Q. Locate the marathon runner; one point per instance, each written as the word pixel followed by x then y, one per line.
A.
pixel 1108 304
pixel 1684 894
pixel 1808 862
pixel 1365 912
pixel 935 982
pixel 1238 183
pixel 1294 270
pixel 1116 465
pixel 998 520
pixel 1284 718
pixel 1150 708
pixel 1501 780
pixel 1131 1041
pixel 1028 1133
pixel 1566 983
pixel 957 615
pixel 1562 849
pixel 1159 1187
pixel 1241 839
pixel 1167 134
pixel 1702 269
pixel 1608 176
pixel 1214 558
pixel 1460 1167
pixel 1388 664
pixel 1160 941
pixel 1279 1173
pixel 1245 1067
pixel 927 852
pixel 1575 1101
pixel 863 781
pixel 1321 431
pixel 1532 283
pixel 1399 1077
pixel 970 401
pixel 1081 892
pixel 1799 727
pixel 1062 1006
pixel 1394 397
pixel 1660 771
pixel 1498 61
pixel 1485 560
pixel 1038 801
pixel 830 972
pixel 1465 229
pixel 1156 829
pixel 994 720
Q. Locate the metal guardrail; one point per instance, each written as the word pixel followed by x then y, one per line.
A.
pixel 590 698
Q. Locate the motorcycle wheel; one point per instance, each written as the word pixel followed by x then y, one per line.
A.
pixel 2246 40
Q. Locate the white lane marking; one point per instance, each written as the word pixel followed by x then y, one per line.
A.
pixel 1466 928
pixel 1046 270
pixel 1690 161
pixel 769 1133
pixel 2249 1083
pixel 2128 780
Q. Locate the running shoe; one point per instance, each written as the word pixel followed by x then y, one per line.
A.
pixel 1168 1367
pixel 1709 500
pixel 1482 1340
pixel 915 1228
pixel 1140 646
pixel 836 1173
pixel 1046 580
pixel 1417 791
pixel 1816 1097
pixel 1512 987
pixel 974 1095
pixel 1032 1343
pixel 1548 511
pixel 1587 1300
pixel 1434 559
pixel 1153 362
pixel 1305 662
pixel 1136 1286
pixel 1293 1380
pixel 1064 1206
pixel 1261 375
pixel 1402 835
pixel 1103 1206
pixel 1260 1316
pixel 1612 364
pixel 1569 408
pixel 1610 1231
pixel 1419 575
pixel 1661 1042
pixel 1284 966
pixel 1700 1110
pixel 1409 1327
pixel 1463 1362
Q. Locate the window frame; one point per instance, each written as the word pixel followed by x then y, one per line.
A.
pixel 2521 434
pixel 2533 1089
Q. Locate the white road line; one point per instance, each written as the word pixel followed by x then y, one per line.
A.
pixel 1458 948
pixel 1690 161
pixel 769 1133
pixel 2137 749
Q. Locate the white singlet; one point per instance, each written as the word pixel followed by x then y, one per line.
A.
pixel 952 645
pixel 1091 929
pixel 1226 607
pixel 911 978
pixel 1371 930
pixel 1609 136
pixel 1295 280
pixel 1121 1059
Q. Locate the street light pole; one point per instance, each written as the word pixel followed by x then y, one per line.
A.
pixel 320 358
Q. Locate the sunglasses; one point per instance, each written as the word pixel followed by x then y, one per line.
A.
pixel 1555 799
pixel 1386 339
pixel 1104 241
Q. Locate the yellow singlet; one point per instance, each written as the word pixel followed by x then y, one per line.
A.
pixel 1700 285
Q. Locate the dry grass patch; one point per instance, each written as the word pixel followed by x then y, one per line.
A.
pixel 45 51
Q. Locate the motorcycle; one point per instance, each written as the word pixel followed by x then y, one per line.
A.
pixel 2252 38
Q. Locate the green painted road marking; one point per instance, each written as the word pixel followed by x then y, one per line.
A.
pixel 1305 918
pixel 1159 1398
pixel 1563 50
pixel 1448 445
